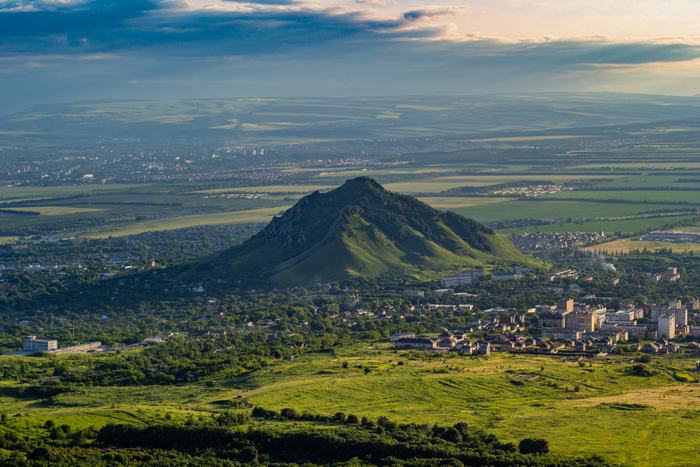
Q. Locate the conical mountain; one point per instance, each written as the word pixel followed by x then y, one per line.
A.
pixel 360 229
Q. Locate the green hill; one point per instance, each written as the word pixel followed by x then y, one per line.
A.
pixel 360 229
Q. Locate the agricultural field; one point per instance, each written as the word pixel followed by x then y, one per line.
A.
pixel 453 202
pixel 226 218
pixel 17 193
pixel 627 226
pixel 439 184
pixel 636 196
pixel 627 244
pixel 555 210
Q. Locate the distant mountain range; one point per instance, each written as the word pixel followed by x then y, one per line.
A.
pixel 360 230
pixel 303 119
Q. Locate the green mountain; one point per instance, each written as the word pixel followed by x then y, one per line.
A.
pixel 360 229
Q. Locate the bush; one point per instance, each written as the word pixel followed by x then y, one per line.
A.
pixel 644 359
pixel 533 446
pixel 641 370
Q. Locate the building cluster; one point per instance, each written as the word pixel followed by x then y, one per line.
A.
pixel 532 190
pixel 467 277
pixel 529 242
pixel 462 278
pixel 32 344
pixel 445 341
pixel 671 274
pixel 571 320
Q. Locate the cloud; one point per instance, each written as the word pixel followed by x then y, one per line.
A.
pixel 433 11
pixel 298 47
pixel 379 3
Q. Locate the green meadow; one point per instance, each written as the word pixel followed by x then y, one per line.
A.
pixel 669 196
pixel 555 210
pixel 601 407
pixel 581 410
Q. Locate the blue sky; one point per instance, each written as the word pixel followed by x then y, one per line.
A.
pixel 67 50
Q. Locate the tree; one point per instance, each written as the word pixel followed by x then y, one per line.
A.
pixel 352 419
pixel 533 446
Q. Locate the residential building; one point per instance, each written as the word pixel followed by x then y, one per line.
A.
pixel 566 304
pixel 562 333
pixel 554 318
pixel 630 327
pixel 681 314
pixel 619 316
pixel 667 325
pixel 482 348
pixel 415 343
pixel 561 274
pixel 401 335
pixel 581 320
pixel 671 274
pixel 513 318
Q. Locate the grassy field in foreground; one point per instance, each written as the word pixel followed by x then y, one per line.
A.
pixel 511 396
pixel 225 218
pixel 601 407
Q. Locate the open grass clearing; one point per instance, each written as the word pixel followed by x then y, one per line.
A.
pixel 480 391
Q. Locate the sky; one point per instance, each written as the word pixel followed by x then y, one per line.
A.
pixel 72 50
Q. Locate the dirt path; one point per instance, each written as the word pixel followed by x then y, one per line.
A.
pixel 194 406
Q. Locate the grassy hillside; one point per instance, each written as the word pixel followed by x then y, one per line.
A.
pixel 361 229
pixel 614 413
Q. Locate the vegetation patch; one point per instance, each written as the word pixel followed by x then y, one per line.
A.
pixel 624 406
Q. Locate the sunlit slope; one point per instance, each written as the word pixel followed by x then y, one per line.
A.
pixel 360 230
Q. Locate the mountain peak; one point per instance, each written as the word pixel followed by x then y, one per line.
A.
pixel 361 229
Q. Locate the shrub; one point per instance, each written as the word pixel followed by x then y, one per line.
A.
pixel 533 446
